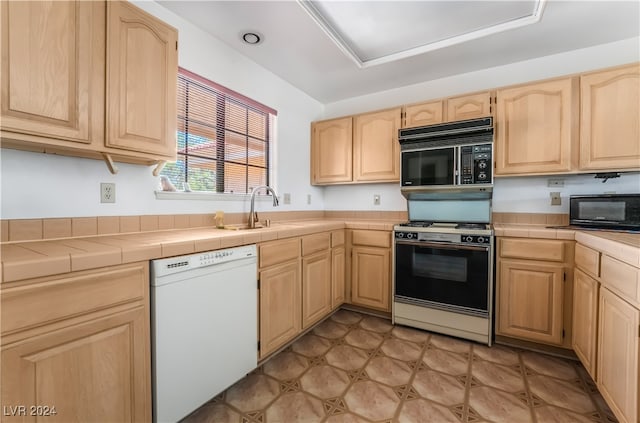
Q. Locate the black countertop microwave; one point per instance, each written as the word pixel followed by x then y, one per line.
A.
pixel 605 211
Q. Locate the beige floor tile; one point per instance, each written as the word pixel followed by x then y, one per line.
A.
pixel 409 334
pixel 376 324
pixel 296 407
pixel 421 411
pixel 363 339
pixel 214 413
pixel 450 344
pixel 325 381
pixel 286 366
pixel 311 345
pixel 551 414
pixel 389 371
pixel 445 361
pixel 346 317
pixel 346 357
pixel 402 350
pixel 330 329
pixel 498 376
pixel 561 393
pixel 547 365
pixel 254 392
pixel 346 418
pixel 372 400
pixel 496 354
pixel 498 406
pixel 439 387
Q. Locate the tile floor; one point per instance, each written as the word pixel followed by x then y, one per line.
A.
pixel 360 368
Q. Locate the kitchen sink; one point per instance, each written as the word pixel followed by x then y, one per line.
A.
pixel 243 226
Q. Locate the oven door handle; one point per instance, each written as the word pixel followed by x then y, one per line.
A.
pixel 443 246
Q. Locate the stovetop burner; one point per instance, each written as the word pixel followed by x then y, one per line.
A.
pixel 471 226
pixel 417 224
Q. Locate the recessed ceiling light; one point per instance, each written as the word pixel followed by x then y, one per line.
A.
pixel 251 38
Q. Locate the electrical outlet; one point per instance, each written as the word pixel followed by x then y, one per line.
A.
pixel 308 198
pixel 555 183
pixel 287 198
pixel 107 192
pixel 376 199
pixel 555 199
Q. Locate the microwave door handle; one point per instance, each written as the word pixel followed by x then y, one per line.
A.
pixel 443 246
pixel 456 166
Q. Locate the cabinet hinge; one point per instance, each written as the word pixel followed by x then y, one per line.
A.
pixel 638 331
pixel 564 276
pixel 258 345
pixel 258 283
pixel 176 45
pixel 562 333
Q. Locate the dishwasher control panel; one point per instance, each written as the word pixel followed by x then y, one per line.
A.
pixel 172 265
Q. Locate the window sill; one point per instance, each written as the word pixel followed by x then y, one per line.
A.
pixel 210 196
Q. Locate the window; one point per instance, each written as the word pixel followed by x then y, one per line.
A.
pixel 223 138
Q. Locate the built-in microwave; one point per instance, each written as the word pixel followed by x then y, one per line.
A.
pixel 606 211
pixel 447 156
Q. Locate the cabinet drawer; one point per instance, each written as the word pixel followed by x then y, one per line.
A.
pixel 621 278
pixel 532 249
pixel 315 242
pixel 371 238
pixel 51 299
pixel 337 238
pixel 588 260
pixel 276 252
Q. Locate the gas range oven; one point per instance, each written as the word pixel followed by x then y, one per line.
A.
pixel 443 278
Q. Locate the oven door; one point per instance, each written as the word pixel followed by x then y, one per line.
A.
pixel 448 277
pixel 428 167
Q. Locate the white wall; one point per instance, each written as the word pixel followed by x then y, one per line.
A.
pixel 36 185
pixel 360 197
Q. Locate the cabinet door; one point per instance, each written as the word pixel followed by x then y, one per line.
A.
pixel 142 69
pixel 338 257
pixel 536 128
pixel 610 112
pixel 469 107
pixel 53 69
pixel 423 114
pixel 618 355
pixel 95 371
pixel 585 314
pixel 370 285
pixel 279 306
pixel 331 151
pixel 376 152
pixel 530 299
pixel 316 287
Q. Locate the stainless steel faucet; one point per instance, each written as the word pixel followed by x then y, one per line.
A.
pixel 253 215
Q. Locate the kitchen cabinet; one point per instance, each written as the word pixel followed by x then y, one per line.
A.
pixel 376 152
pixel 370 269
pixel 609 116
pixel 280 293
pixel 469 107
pixel 356 149
pixel 585 319
pixel 142 73
pixel 108 91
pixel 534 290
pixel 536 128
pixel 422 114
pixel 618 355
pixel 316 278
pixel 79 342
pixel 331 151
pixel 338 268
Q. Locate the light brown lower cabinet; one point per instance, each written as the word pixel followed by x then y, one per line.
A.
pixel 618 355
pixel 316 287
pixel 370 278
pixel 338 263
pixel 76 347
pixel 585 319
pixel 280 308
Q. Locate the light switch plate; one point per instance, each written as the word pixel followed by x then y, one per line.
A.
pixel 376 199
pixel 555 199
pixel 287 198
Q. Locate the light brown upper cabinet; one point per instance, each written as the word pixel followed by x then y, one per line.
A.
pixel 610 119
pixel 353 149
pixel 88 79
pixel 469 107
pixel 423 114
pixel 52 70
pixel 376 152
pixel 536 128
pixel 142 72
pixel 331 151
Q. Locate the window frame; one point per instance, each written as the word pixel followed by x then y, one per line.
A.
pixel 225 95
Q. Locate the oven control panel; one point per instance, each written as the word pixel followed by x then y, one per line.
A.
pixel 444 237
pixel 475 239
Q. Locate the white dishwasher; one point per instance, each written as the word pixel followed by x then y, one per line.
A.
pixel 203 327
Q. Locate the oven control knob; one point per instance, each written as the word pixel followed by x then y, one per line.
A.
pixel 482 165
pixel 409 235
pixel 400 235
pixel 480 239
pixel 469 239
pixel 482 175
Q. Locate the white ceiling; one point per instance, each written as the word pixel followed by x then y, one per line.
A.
pixel 334 50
